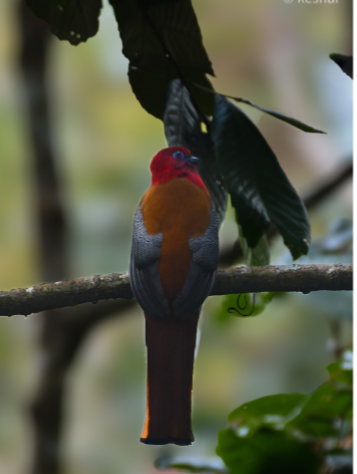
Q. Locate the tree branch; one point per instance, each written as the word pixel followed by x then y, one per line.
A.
pixel 302 278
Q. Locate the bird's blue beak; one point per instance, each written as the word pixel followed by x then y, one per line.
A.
pixel 192 160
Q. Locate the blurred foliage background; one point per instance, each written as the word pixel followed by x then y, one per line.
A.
pixel 272 53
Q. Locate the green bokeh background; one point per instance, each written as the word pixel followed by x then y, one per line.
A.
pixel 272 53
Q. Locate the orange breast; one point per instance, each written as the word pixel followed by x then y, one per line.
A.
pixel 180 210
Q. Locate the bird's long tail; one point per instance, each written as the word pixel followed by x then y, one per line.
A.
pixel 170 356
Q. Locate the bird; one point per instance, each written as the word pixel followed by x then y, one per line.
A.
pixel 173 264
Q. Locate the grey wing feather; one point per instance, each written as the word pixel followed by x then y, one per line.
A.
pixel 202 271
pixel 144 269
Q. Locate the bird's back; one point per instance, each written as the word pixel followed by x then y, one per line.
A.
pixel 180 210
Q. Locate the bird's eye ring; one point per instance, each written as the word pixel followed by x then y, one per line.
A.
pixel 178 155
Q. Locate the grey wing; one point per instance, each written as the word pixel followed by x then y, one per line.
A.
pixel 144 269
pixel 202 271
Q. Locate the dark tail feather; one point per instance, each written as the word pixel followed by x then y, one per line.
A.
pixel 170 353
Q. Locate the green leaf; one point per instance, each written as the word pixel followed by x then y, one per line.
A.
pixel 341 372
pixel 274 410
pixel 257 256
pixel 252 304
pixel 183 127
pixel 344 62
pixel 266 452
pixel 71 20
pixel 280 433
pixel 197 465
pixel 326 406
pixel 241 305
pixel 244 305
pixel 260 191
pixel 162 42
pixel 295 123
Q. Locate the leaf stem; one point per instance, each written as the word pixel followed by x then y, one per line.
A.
pixel 291 121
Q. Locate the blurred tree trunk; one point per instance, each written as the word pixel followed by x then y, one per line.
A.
pixel 52 228
pixel 63 330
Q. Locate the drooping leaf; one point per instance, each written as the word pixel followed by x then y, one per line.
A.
pixel 161 42
pixel 172 23
pixel 183 127
pixel 260 191
pixel 150 76
pixel 267 451
pixel 344 62
pixel 71 20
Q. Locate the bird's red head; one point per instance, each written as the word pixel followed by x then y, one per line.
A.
pixel 175 162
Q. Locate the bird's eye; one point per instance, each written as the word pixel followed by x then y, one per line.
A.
pixel 178 155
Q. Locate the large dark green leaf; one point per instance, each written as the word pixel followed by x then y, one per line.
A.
pixel 150 76
pixel 144 4
pixel 183 127
pixel 266 452
pixel 71 20
pixel 260 191
pixel 162 42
